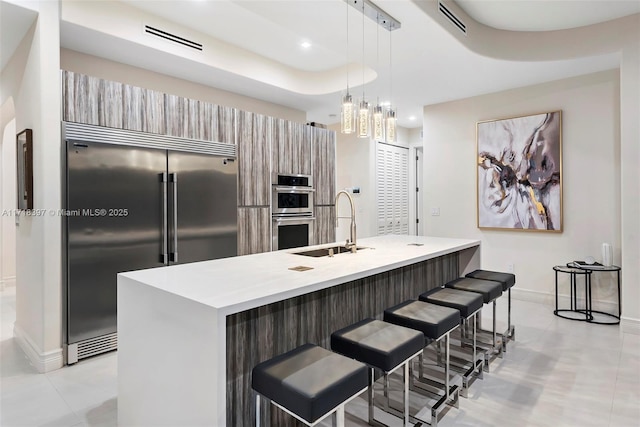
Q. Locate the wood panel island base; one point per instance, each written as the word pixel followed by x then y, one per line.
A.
pixel 189 335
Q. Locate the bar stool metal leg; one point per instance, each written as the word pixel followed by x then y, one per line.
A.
pixel 511 330
pixel 339 416
pixel 258 415
pixel 405 394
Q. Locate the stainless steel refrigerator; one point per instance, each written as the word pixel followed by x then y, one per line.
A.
pixel 133 201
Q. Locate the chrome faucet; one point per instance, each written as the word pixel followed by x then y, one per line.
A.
pixel 351 243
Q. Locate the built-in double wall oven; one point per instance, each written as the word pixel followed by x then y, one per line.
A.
pixel 292 211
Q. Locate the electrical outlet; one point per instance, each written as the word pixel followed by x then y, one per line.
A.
pixel 435 211
pixel 511 268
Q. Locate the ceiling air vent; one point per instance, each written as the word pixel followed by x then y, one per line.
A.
pixel 172 37
pixel 452 18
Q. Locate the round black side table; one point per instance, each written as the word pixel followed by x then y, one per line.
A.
pixel 592 269
pixel 574 313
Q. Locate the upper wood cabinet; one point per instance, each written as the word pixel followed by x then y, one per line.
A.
pixel 144 110
pixel 100 102
pixel 92 101
pixel 291 148
pixel 255 134
pixel 323 143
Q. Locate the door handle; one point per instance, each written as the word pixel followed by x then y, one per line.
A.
pixel 173 177
pixel 164 256
pixel 295 189
pixel 300 219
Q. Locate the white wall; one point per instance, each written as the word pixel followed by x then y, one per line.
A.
pixel 7 206
pixel 630 181
pixel 32 80
pixel 590 173
pixel 354 160
pixel 109 70
pixel 355 167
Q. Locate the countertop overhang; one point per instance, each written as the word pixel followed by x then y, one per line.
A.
pixel 232 285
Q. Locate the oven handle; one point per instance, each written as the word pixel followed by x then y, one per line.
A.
pixel 296 189
pixel 294 218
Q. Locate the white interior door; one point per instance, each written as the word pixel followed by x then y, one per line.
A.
pixel 392 189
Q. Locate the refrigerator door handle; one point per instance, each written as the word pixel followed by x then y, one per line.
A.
pixel 173 177
pixel 164 256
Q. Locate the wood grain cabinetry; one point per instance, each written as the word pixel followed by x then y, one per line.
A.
pixel 324 225
pixel 254 230
pixel 92 101
pixel 324 165
pixel 144 110
pixel 255 134
pixel 291 148
pixel 95 101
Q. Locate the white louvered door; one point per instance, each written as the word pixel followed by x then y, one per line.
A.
pixel 392 189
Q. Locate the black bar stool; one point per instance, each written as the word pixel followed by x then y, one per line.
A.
pixel 309 383
pixel 490 292
pixel 508 281
pixel 436 323
pixel 469 305
pixel 382 346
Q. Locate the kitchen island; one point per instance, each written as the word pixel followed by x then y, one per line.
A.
pixel 189 335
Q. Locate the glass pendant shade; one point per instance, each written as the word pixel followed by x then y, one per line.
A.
pixel 347 115
pixel 364 119
pixel 378 123
pixel 391 125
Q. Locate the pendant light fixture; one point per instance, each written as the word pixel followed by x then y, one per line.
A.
pixel 347 116
pixel 347 113
pixel 364 112
pixel 379 122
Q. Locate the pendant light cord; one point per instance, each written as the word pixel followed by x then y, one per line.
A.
pixel 362 51
pixel 347 27
pixel 390 73
pixel 378 52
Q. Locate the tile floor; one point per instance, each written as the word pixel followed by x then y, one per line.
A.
pixel 558 373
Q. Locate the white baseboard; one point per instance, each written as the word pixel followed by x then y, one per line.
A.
pixel 630 326
pixel 548 298
pixel 43 362
pixel 6 282
pixel 532 296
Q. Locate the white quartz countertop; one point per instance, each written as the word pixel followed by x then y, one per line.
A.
pixel 232 285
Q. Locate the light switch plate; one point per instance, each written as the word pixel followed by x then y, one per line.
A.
pixel 435 211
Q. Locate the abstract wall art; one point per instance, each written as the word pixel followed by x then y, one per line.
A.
pixel 520 173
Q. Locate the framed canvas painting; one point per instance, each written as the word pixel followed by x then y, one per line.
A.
pixel 519 179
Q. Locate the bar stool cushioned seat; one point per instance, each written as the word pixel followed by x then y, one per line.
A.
pixel 466 302
pixel 488 289
pixel 377 343
pixel 309 380
pixel 506 279
pixel 432 320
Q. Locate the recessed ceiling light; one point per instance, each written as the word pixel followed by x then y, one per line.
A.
pixel 412 118
pixel 305 44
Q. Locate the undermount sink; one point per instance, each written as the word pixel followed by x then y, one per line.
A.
pixel 317 253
